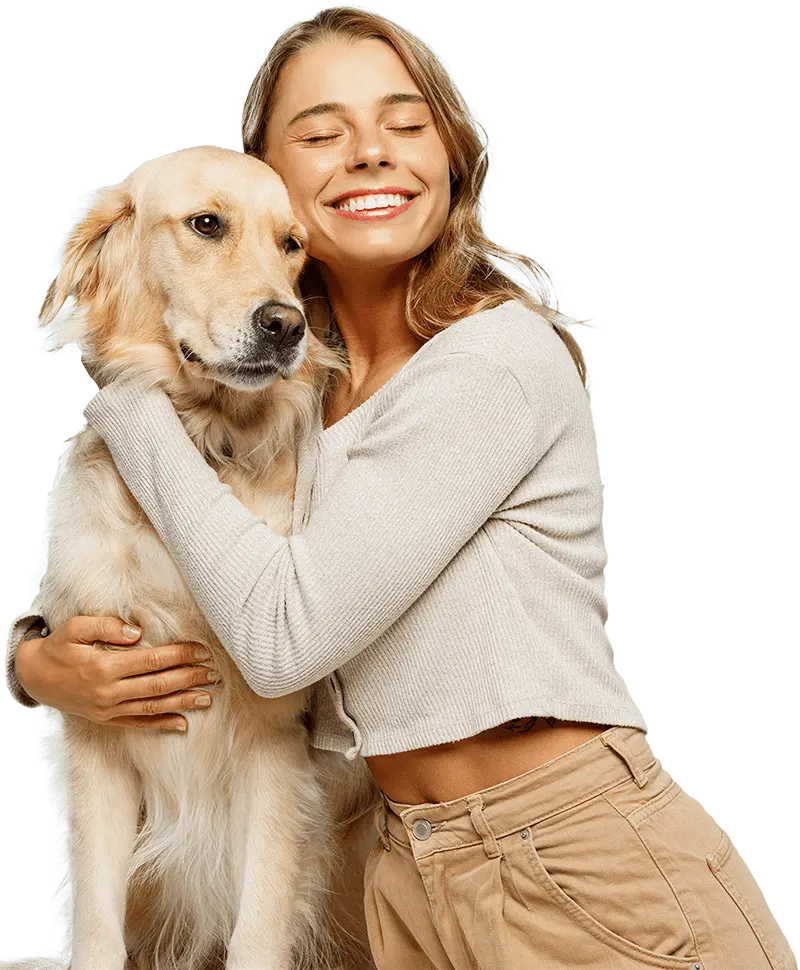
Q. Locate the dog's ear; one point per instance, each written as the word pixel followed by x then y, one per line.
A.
pixel 112 212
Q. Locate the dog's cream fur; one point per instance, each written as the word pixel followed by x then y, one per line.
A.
pixel 236 844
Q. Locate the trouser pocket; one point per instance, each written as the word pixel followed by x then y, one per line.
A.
pixel 730 918
pixel 594 868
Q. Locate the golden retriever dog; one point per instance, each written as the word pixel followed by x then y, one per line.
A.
pixel 236 844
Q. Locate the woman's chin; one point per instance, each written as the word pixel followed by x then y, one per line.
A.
pixel 367 258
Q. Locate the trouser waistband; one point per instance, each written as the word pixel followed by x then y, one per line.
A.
pixel 593 767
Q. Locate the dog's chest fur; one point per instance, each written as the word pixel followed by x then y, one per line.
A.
pixel 105 558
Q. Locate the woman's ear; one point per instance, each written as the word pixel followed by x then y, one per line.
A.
pixel 112 212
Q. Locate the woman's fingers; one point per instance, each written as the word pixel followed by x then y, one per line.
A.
pixel 130 663
pixel 156 685
pixel 108 629
pixel 151 707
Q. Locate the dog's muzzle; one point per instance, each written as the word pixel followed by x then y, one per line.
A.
pixel 277 330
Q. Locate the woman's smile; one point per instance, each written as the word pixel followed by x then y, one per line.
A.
pixel 367 208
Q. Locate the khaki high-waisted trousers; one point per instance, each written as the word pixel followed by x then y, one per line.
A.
pixel 597 859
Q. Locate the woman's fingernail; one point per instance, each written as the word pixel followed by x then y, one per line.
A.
pixel 180 726
pixel 131 632
pixel 202 701
pixel 213 676
pixel 202 654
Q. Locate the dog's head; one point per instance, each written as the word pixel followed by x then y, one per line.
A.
pixel 187 272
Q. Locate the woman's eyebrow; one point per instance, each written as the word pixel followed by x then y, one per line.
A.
pixel 331 107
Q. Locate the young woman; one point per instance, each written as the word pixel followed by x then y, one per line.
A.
pixel 446 592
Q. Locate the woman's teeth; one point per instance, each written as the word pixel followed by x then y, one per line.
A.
pixel 371 202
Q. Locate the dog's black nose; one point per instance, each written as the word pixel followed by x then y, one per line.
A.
pixel 284 325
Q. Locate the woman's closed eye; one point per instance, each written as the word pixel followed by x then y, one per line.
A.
pixel 318 138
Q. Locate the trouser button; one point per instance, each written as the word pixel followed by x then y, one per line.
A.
pixel 422 829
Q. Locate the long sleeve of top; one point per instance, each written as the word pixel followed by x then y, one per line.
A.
pixel 442 453
pixel 19 627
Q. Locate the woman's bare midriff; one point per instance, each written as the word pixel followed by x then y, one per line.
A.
pixel 446 771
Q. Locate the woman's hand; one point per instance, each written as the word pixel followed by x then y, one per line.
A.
pixel 141 687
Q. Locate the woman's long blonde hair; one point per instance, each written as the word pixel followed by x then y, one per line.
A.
pixel 454 277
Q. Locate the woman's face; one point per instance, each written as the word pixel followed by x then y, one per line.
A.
pixel 347 140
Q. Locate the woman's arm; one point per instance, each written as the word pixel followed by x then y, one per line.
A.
pixel 440 456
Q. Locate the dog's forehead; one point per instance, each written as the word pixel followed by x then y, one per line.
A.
pixel 223 180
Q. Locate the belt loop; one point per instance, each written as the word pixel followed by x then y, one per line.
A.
pixel 475 805
pixel 621 747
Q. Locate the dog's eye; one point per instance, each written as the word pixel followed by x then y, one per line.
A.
pixel 291 245
pixel 206 225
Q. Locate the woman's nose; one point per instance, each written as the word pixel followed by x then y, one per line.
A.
pixel 371 151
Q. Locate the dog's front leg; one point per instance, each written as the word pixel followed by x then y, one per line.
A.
pixel 104 807
pixel 267 835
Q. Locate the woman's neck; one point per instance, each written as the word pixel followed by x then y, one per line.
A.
pixel 369 308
